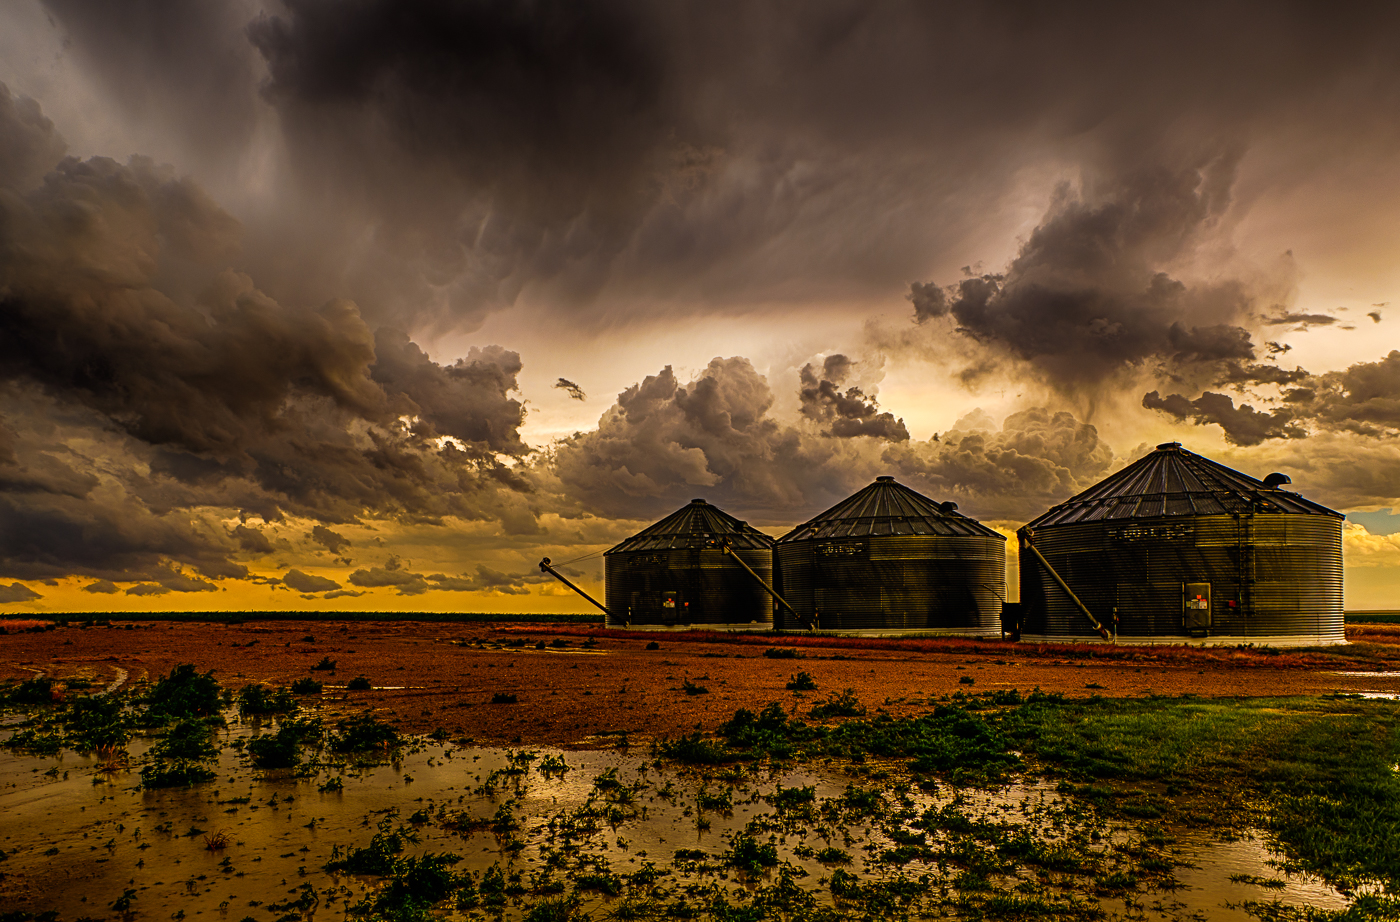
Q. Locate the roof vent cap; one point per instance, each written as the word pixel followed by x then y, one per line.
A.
pixel 949 507
pixel 698 502
pixel 1166 445
pixel 1276 480
pixel 884 478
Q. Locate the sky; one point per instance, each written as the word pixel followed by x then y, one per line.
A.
pixel 370 304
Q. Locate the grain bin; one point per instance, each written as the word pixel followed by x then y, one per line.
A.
pixel 1176 548
pixel 698 567
pixel 889 560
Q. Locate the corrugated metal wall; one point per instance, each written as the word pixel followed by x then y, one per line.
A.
pixel 705 586
pixel 945 584
pixel 1283 574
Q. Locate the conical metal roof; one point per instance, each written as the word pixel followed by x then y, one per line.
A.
pixel 695 525
pixel 1172 481
pixel 886 508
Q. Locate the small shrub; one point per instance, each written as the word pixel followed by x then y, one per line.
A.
pixel 504 698
pixel 966 680
pixel 184 694
pixel 842 705
pixel 34 691
pixel 362 734
pixel 749 855
pixel 325 665
pixel 279 750
pixel 802 682
pixel 306 686
pixel 359 683
pixel 782 653
pixel 692 689
pixel 653 645
pixel 255 699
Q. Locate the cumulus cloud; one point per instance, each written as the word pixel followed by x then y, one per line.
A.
pixel 664 442
pixel 844 414
pixel 307 582
pixel 102 586
pixel 1034 459
pixel 17 592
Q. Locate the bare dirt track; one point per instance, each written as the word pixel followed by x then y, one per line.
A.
pixel 580 693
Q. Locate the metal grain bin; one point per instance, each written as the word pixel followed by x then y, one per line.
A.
pixel 677 574
pixel 889 560
pixel 1176 548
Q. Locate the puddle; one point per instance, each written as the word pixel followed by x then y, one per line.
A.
pixel 77 840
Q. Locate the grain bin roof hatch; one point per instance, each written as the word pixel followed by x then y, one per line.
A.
pixel 695 525
pixel 887 508
pixel 1172 481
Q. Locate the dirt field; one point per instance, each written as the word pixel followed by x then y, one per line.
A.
pixel 577 693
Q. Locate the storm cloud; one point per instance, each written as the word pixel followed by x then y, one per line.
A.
pixel 227 398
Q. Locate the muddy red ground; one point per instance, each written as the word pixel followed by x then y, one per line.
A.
pixel 440 675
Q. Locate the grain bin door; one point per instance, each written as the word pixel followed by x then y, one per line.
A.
pixel 1196 608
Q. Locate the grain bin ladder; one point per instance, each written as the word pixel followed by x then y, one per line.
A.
pixel 1103 631
pixel 544 566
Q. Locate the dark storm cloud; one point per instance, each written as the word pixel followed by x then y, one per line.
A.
pixel 844 414
pixel 570 388
pixel 469 149
pixel 1363 399
pixel 664 442
pixel 1243 424
pixel 230 399
pixel 1088 299
pixel 307 582
pixel 252 540
pixel 17 592
pixel 102 587
pixel 1303 320
pixel 333 541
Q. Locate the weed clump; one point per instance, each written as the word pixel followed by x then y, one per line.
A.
pixel 257 700
pixel 306 686
pixel 692 688
pixel 842 705
pixel 363 734
pixel 185 694
pixel 180 758
pixel 325 665
pixel 96 723
pixel 802 681
pixel 359 683
pixel 505 698
pixel 782 653
pixel 38 690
